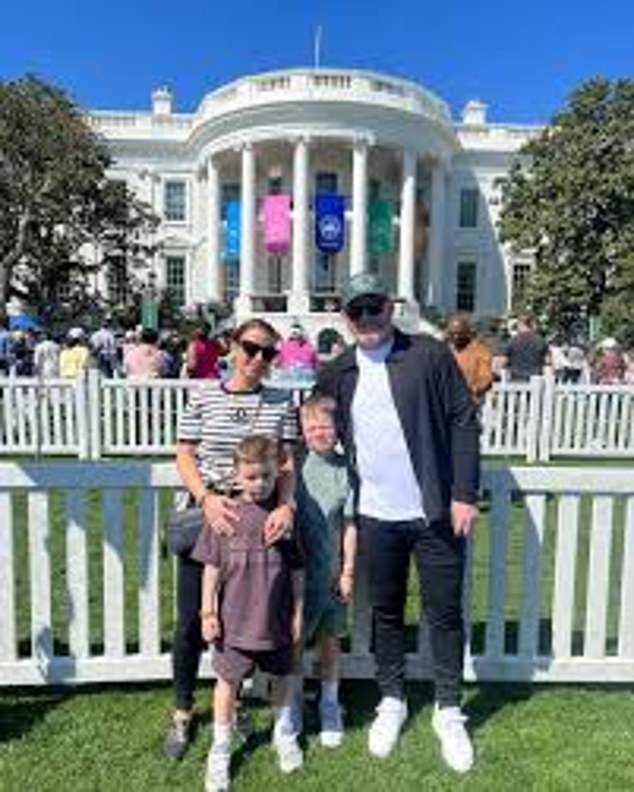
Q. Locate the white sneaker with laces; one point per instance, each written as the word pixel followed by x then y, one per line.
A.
pixel 217 772
pixel 391 714
pixel 289 754
pixel 456 747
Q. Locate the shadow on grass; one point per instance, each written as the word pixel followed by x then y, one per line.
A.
pixel 24 711
pixel 493 697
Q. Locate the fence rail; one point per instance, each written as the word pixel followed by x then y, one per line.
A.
pixel 87 591
pixel 95 417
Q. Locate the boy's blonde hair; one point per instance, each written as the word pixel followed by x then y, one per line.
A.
pixel 256 449
pixel 318 405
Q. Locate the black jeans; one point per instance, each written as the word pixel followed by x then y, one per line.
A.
pixel 188 641
pixel 439 557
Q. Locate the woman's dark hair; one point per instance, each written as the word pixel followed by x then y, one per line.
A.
pixel 149 336
pixel 255 324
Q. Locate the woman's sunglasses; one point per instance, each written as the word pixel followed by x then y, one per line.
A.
pixel 370 308
pixel 251 349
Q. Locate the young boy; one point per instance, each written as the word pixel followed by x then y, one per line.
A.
pixel 329 539
pixel 252 603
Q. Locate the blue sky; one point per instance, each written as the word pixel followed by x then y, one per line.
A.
pixel 522 59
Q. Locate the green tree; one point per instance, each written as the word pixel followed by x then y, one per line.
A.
pixel 61 218
pixel 570 201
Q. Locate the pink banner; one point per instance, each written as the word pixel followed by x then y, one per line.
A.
pixel 277 223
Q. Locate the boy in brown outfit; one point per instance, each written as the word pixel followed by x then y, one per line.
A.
pixel 252 603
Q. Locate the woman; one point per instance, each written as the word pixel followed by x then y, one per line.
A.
pixel 217 417
pixel 203 354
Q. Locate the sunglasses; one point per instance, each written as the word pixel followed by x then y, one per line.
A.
pixel 251 349
pixel 370 308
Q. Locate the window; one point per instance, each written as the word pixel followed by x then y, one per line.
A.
pixel 175 278
pixel 326 182
pixel 275 274
pixel 175 201
pixel 325 272
pixel 466 286
pixel 521 274
pixel 275 185
pixel 469 207
pixel 232 281
pixel 374 189
pixel 117 280
pixel 230 192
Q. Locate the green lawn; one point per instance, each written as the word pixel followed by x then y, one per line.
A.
pixel 532 738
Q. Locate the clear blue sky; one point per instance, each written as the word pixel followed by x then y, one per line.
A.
pixel 522 58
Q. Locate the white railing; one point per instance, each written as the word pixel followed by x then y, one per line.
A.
pixel 96 417
pixel 87 592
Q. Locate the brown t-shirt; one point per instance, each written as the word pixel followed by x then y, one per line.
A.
pixel 256 593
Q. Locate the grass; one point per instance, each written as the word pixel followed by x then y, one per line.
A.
pixel 534 738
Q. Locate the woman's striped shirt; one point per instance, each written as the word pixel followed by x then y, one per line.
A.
pixel 217 419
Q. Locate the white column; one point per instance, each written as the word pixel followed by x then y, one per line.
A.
pixel 358 241
pixel 299 298
pixel 213 224
pixel 247 228
pixel 436 249
pixel 407 223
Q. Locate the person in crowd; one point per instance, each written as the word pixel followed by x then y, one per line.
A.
pixel 609 363
pixel 251 610
pixel 328 539
pixel 171 360
pixel 558 355
pixel 576 364
pixel 104 349
pixel 46 356
pixel 415 494
pixel 472 356
pixel 75 356
pixel 130 342
pixel 215 420
pixel 145 360
pixel 203 354
pixel 5 347
pixel 628 376
pixel 297 352
pixel 21 355
pixel 526 353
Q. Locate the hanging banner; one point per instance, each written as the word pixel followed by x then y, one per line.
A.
pixel 329 222
pixel 232 234
pixel 277 223
pixel 380 233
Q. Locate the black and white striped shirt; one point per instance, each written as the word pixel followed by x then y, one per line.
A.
pixel 217 420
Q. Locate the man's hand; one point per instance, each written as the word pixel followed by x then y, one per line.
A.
pixel 278 523
pixel 210 626
pixel 463 516
pixel 297 626
pixel 220 513
pixel 346 586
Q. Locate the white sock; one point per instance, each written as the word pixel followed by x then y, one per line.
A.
pixel 283 721
pixel 330 691
pixel 222 736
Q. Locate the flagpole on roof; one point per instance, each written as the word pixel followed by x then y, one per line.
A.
pixel 317 46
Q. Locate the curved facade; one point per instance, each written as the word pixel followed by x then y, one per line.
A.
pixel 374 141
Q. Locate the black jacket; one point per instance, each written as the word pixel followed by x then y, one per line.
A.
pixel 436 412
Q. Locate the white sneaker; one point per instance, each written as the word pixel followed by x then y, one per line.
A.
pixel 456 747
pixel 386 727
pixel 331 734
pixel 217 772
pixel 289 754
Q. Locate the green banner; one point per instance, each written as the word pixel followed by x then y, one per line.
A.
pixel 149 314
pixel 380 233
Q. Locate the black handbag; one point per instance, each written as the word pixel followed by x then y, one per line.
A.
pixel 183 528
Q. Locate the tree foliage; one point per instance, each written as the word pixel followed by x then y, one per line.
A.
pixel 570 202
pixel 61 218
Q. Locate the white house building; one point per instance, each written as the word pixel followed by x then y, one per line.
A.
pixel 387 149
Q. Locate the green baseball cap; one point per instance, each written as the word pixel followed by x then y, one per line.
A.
pixel 361 284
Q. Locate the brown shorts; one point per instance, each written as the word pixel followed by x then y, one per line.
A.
pixel 233 664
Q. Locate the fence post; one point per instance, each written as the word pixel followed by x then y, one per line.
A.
pixel 81 409
pixel 548 405
pixel 94 412
pixel 534 416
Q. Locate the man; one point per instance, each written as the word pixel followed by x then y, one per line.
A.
pixel 409 429
pixel 526 353
pixel 104 348
pixel 473 357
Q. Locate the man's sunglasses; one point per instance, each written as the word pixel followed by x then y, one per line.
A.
pixel 370 308
pixel 252 350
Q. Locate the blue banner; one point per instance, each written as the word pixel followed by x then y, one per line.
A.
pixel 232 234
pixel 330 223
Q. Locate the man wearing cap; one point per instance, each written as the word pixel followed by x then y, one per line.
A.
pixel 410 432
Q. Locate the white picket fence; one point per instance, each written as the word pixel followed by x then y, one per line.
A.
pixel 87 593
pixel 96 417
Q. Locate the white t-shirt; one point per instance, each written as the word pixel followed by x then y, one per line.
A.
pixel 389 489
